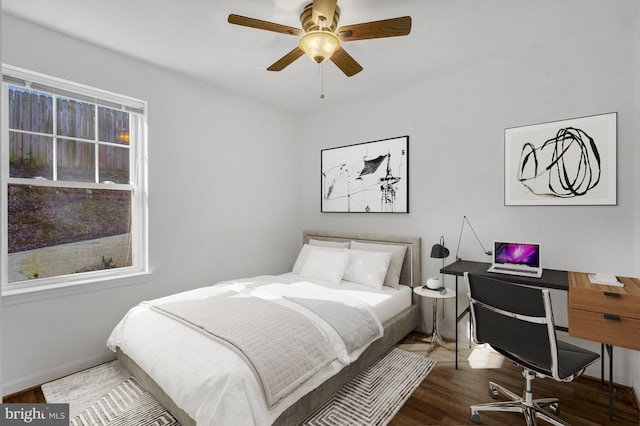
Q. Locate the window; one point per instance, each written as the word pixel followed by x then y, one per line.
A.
pixel 73 183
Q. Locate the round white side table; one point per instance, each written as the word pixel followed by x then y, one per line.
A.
pixel 436 337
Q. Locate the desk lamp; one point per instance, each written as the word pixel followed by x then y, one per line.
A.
pixel 439 251
pixel 464 219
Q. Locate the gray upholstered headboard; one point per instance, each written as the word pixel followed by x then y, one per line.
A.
pixel 410 274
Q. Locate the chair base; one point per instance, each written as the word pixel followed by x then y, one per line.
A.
pixel 529 407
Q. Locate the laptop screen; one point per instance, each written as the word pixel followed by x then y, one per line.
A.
pixel 517 253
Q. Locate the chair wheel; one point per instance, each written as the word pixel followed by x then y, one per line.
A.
pixel 493 392
pixel 555 408
pixel 476 419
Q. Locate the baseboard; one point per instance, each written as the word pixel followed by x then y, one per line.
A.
pixel 39 378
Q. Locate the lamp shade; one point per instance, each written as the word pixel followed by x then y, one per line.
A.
pixel 439 251
pixel 319 45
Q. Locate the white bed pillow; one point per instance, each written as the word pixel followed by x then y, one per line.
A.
pixel 367 268
pixel 304 255
pixel 334 244
pixel 326 265
pixel 397 259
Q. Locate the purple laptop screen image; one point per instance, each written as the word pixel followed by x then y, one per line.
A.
pixel 517 253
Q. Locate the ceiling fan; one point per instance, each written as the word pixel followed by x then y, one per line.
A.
pixel 321 39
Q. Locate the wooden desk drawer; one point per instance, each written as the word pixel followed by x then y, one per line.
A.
pixel 623 332
pixel 605 301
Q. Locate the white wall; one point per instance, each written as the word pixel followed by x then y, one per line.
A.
pixel 220 203
pixel 456 127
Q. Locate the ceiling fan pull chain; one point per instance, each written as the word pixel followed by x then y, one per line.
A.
pixel 322 81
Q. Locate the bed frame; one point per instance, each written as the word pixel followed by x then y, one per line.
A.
pixel 395 329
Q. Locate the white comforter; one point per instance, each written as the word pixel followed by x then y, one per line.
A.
pixel 207 379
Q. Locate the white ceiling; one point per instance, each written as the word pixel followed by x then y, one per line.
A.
pixel 193 37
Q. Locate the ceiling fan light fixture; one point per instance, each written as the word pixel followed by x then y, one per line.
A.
pixel 319 45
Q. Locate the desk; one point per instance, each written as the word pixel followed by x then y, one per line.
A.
pixel 604 314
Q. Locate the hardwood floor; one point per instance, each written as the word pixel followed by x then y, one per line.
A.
pixel 31 396
pixel 444 396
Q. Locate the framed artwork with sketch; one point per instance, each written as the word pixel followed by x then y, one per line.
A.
pixel 567 162
pixel 369 177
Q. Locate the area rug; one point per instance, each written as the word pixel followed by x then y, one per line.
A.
pixel 109 395
pixel 375 395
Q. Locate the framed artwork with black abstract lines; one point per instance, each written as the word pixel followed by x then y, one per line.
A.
pixel 567 162
pixel 369 177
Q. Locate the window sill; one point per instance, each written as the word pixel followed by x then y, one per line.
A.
pixel 37 293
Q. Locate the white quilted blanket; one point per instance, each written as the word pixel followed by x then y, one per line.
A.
pixel 282 346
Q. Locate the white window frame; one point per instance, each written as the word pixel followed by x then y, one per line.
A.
pixel 65 284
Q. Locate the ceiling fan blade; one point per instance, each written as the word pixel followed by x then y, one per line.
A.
pixel 345 62
pixel 286 60
pixel 324 10
pixel 393 27
pixel 263 25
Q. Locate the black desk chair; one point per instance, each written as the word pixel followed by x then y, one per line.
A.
pixel 517 322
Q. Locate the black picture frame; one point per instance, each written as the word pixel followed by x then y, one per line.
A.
pixel 367 177
pixel 565 162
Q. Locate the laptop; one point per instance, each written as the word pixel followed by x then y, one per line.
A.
pixel 523 259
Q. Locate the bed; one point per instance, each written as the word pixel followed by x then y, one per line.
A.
pixel 168 357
